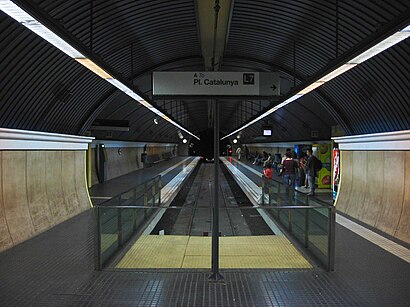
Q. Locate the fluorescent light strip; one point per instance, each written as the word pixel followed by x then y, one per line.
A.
pixel 310 87
pixel 94 68
pixel 383 45
pixel 338 71
pixel 270 111
pixel 31 23
pixel 25 19
pixel 369 53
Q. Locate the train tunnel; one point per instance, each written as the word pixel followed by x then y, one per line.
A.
pixel 109 111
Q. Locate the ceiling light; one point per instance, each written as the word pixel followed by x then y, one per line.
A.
pixel 367 54
pixel 293 98
pixel 383 45
pixel 94 68
pixel 25 19
pixel 310 87
pixel 338 71
pixel 34 25
pixel 122 87
pixel 156 121
pixel 184 141
pixel 235 141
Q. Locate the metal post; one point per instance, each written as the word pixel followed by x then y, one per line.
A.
pixel 145 195
pixel 337 30
pixel 91 24
pixel 159 190
pixel 331 239
pixel 294 64
pixel 215 276
pixel 290 220
pixel 134 212
pixel 119 221
pixel 307 228
pixel 97 238
pixel 263 191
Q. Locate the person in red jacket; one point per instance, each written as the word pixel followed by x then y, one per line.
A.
pixel 268 171
pixel 290 168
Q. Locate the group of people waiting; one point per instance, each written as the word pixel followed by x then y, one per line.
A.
pixel 304 171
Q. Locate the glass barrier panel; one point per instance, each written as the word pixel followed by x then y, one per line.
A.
pixel 109 242
pixel 284 217
pixel 128 198
pixel 299 223
pixel 319 233
pixel 309 227
pixel 139 201
pixel 116 224
pixel 127 223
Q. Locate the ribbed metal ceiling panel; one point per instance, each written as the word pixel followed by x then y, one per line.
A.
pixel 156 31
pixel 42 89
pixel 301 35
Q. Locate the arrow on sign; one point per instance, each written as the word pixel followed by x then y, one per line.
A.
pixel 273 87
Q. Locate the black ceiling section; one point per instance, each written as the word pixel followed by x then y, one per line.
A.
pixel 69 96
pixel 151 31
pixel 43 89
pixel 270 32
pixel 377 92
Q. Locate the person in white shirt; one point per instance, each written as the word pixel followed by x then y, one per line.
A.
pixel 239 151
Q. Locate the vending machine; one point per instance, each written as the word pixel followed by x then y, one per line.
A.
pixel 336 172
pixel 323 153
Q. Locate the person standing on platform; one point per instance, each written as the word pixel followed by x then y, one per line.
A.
pixel 239 151
pixel 302 172
pixel 267 161
pixel 311 171
pixel 246 153
pixel 267 172
pixel 290 167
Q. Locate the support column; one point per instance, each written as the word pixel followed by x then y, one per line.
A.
pixel 215 220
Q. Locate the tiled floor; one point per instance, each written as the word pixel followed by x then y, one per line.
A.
pixel 56 269
pixel 388 245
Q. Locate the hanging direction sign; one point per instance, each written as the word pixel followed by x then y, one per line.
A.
pixel 212 83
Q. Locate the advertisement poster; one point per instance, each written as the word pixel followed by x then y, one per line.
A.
pixel 336 171
pixel 324 175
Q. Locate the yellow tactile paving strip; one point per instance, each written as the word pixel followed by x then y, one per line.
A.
pixel 153 251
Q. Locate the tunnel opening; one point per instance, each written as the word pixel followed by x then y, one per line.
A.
pixel 205 147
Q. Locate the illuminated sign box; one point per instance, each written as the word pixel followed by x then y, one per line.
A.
pixel 215 83
pixel 267 131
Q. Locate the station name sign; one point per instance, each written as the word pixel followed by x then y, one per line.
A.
pixel 212 83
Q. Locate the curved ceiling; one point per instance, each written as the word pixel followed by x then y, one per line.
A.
pixel 43 89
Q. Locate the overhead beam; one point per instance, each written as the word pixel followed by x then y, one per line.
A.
pixel 213 42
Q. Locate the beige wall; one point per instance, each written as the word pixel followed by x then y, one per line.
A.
pixel 375 189
pixel 39 189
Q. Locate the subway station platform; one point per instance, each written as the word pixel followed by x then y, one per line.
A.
pixel 56 268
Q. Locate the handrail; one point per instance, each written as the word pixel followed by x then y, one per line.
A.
pixel 320 202
pixel 227 208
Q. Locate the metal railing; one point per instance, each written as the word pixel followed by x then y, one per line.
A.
pixel 117 219
pixel 309 221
